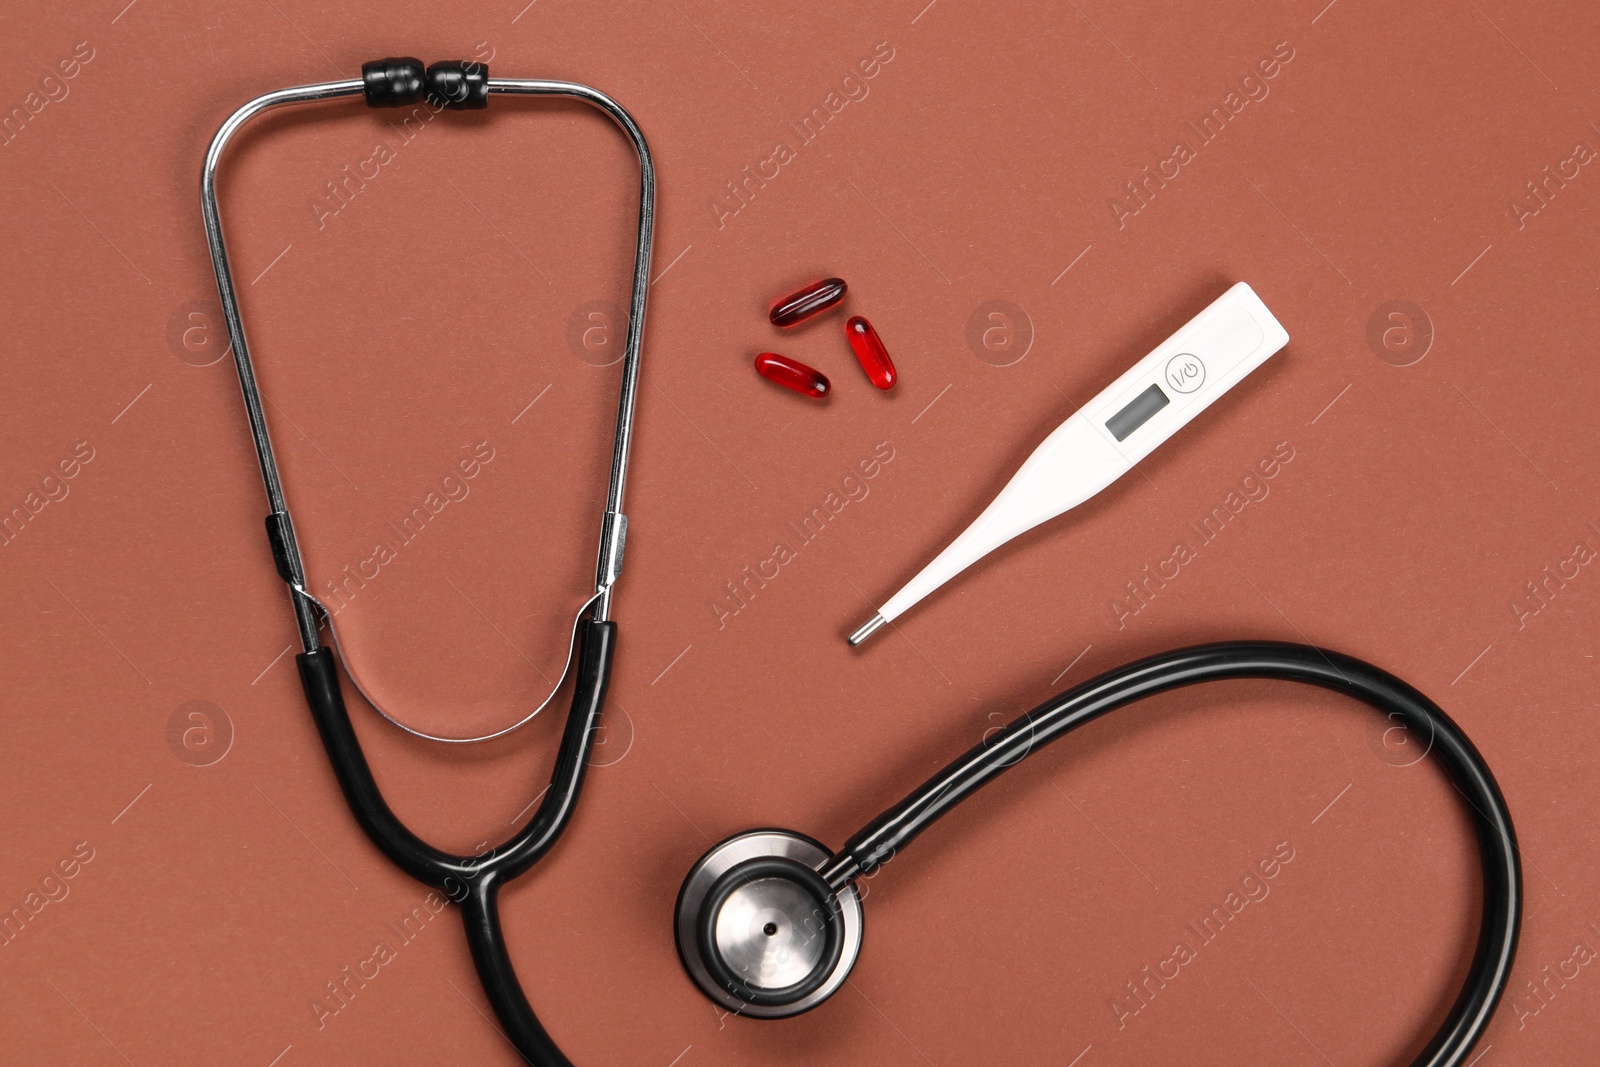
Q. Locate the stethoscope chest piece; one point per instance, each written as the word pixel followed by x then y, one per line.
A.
pixel 760 931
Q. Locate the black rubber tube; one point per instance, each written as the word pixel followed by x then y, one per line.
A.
pixel 480 915
pixel 474 882
pixel 885 836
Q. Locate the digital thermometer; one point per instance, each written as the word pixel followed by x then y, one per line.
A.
pixel 1104 439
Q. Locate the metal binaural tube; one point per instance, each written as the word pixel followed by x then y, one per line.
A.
pixel 614 524
pixel 305 612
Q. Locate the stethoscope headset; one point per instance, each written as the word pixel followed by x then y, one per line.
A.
pixel 769 922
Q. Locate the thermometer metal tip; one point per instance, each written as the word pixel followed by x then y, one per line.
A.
pixel 1103 440
pixel 867 629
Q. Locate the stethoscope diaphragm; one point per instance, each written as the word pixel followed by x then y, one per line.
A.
pixel 760 931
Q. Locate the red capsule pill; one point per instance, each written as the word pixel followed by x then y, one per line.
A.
pixel 813 299
pixel 870 352
pixel 792 374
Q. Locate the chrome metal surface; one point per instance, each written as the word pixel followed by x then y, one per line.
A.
pixel 353 672
pixel 305 612
pixel 766 933
pixel 309 613
pixel 613 541
pixel 762 931
pixel 868 628
pixel 609 562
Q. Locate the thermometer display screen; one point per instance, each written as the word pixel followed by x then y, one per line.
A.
pixel 1137 413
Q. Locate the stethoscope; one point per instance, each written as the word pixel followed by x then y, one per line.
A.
pixel 768 923
pixel 473 882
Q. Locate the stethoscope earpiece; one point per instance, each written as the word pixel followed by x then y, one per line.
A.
pixel 759 929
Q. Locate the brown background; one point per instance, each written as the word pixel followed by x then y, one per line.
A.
pixel 439 302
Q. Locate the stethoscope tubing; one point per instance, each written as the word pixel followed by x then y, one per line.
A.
pixel 891 832
pixel 473 882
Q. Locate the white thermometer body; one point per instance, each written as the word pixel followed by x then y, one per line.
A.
pixel 1105 438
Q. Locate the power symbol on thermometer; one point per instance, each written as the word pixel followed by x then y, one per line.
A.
pixel 1185 373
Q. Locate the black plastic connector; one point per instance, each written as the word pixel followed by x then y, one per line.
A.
pixel 459 84
pixel 394 82
pixel 278 536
